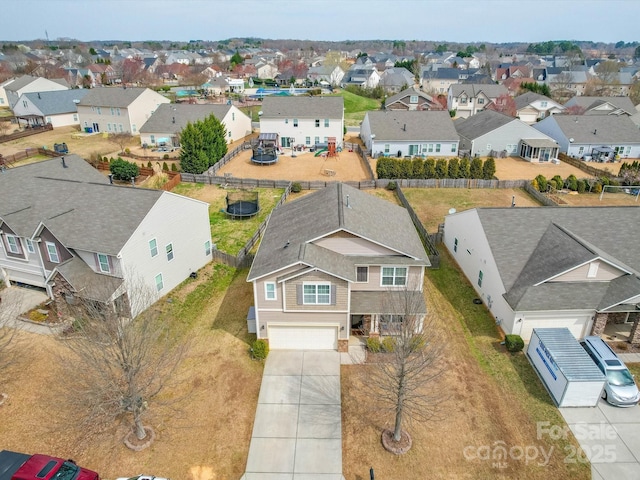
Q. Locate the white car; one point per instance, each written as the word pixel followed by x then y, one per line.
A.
pixel 143 477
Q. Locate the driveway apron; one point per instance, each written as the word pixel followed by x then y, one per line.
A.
pixel 609 437
pixel 297 432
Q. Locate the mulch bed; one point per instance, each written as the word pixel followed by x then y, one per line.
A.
pixel 397 448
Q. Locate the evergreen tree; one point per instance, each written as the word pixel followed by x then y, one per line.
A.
pixel 475 170
pixel 441 168
pixel 464 168
pixel 454 168
pixel 489 168
pixel 429 168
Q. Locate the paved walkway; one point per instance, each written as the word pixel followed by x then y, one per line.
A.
pixel 609 437
pixel 17 300
pixel 297 432
pixel 629 357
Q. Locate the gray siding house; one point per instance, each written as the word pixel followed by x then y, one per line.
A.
pixel 328 266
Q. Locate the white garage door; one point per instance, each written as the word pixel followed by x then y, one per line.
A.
pixel 575 325
pixel 303 338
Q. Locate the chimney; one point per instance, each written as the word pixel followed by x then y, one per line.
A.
pixel 111 178
pixel 64 164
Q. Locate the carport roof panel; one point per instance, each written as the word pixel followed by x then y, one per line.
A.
pixel 573 360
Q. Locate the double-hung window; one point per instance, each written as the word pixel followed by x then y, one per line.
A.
pixel 480 275
pixel 13 244
pixel 103 263
pixel 159 282
pixel 362 274
pixel 207 248
pixel 270 291
pixel 153 247
pixel 295 122
pixel 316 294
pixel 326 122
pixel 394 276
pixel 30 247
pixel 52 250
pixel 317 123
pixel 169 249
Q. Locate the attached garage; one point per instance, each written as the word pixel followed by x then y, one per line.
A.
pixel 299 337
pixel 578 325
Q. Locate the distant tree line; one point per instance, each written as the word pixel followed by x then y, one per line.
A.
pixel 419 168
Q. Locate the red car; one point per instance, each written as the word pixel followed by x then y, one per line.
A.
pixel 19 466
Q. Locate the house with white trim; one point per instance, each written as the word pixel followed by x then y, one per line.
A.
pixel 118 109
pixel 328 267
pixel 58 108
pixel 467 99
pixel 532 107
pixel 550 268
pixel 65 229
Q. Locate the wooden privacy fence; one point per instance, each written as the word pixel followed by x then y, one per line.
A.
pixel 227 158
pixel 432 251
pixel 8 160
pixel 26 133
pixel 586 167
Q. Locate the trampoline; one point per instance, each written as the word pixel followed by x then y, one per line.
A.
pixel 265 151
pixel 242 204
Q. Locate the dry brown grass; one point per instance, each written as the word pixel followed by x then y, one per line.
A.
pixel 512 168
pixel 203 425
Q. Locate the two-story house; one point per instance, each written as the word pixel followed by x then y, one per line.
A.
pixel 328 265
pixel 58 107
pixel 118 109
pixel 305 121
pixel 468 99
pixel 64 228
pixel 532 107
pixel 12 89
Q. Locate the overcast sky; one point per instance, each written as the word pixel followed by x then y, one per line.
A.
pixel 452 20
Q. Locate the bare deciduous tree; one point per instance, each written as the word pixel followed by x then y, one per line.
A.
pixel 118 365
pixel 10 308
pixel 404 380
pixel 122 139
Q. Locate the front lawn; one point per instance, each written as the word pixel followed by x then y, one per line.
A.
pixel 493 400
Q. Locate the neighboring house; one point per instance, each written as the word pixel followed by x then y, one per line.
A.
pixel 399 133
pixel 166 123
pixel 567 83
pixel 549 267
pixel 11 90
pixel 118 110
pixel 603 105
pixel 439 80
pixel 469 99
pixel 328 265
pixel 491 133
pixel 326 75
pixel 411 99
pixel 395 79
pixel 266 70
pixel 303 120
pixel 362 77
pixel 65 229
pixel 58 107
pixel 532 107
pixel 579 135
pixel 104 74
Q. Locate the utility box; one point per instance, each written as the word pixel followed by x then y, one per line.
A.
pixel 565 368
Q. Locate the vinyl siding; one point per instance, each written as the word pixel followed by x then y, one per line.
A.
pixel 306 128
pixel 606 272
pixel 173 219
pixel 305 318
pixel 291 298
pixel 414 279
pixel 511 133
pixel 348 244
pixel 27 268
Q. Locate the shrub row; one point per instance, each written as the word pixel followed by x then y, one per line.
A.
pixel 395 168
pixel 572 183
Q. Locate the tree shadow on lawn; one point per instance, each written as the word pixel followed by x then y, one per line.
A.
pixel 232 313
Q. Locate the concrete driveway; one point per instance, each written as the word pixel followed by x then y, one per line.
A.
pixel 297 432
pixel 18 300
pixel 609 437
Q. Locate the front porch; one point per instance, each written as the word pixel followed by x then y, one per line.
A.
pixel 619 326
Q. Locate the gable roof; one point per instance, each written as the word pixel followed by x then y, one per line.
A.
pixel 57 101
pixel 303 107
pixel 590 103
pixel 112 96
pixel 482 123
pixel 528 98
pixel 607 128
pixel 407 93
pixel 162 120
pixel 475 89
pixel 293 226
pixel 403 125
pixel 77 204
pixel 530 245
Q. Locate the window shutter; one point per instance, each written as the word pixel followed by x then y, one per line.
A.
pixel 299 294
pixel 333 294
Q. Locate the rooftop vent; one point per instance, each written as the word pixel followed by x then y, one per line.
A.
pixel 64 164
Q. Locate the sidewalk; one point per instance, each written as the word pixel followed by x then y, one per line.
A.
pixel 629 357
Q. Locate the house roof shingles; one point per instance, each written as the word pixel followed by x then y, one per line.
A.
pixel 302 107
pixel 162 120
pixel 111 97
pixel 608 128
pixel 401 125
pixel 57 101
pixel 482 123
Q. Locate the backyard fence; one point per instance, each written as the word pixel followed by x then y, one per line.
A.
pixel 227 158
pixel 432 251
pixel 585 167
pixel 26 133
pixel 8 160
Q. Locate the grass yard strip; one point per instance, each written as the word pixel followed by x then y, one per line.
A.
pixel 513 372
pixel 355 107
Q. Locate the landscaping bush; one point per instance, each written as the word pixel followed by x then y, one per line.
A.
pixel 149 164
pixel 165 167
pixel 296 187
pixel 475 170
pixel 174 167
pixel 489 168
pixel 165 157
pixel 572 183
pixel 514 343
pixel 582 186
pixel 429 168
pixel 441 168
pixel 454 168
pixel 36 316
pixel 542 183
pixel 464 168
pixel 417 168
pixel 559 181
pixel 374 345
pixel 127 150
pixel 597 188
pixel 259 349
pixel 123 170
pixel 553 184
pixel 392 186
pixel 388 344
